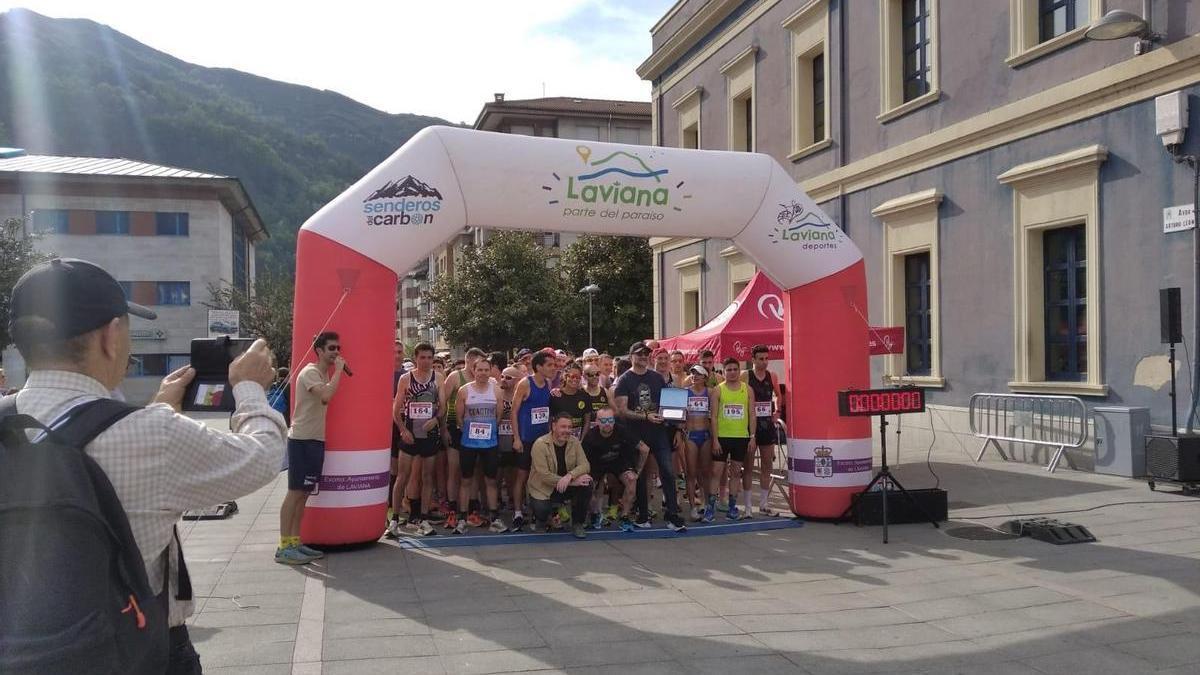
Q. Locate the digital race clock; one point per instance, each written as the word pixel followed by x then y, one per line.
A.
pixel 867 402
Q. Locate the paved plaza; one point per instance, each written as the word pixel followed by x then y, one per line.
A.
pixel 818 599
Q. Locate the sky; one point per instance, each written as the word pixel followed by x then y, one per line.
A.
pixel 445 58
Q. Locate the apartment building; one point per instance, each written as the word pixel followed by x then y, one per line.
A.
pixel 165 233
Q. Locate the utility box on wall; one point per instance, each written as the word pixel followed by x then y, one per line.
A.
pixel 1120 440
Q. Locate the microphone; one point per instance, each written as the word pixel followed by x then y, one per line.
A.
pixel 346 369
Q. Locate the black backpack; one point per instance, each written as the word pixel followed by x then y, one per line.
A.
pixel 74 597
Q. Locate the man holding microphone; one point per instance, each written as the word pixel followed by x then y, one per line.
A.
pixel 315 387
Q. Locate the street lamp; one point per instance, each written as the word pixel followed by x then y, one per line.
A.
pixel 1119 24
pixel 590 290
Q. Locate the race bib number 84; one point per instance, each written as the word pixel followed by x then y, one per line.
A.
pixel 479 431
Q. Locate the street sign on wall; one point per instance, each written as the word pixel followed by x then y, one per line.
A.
pixel 1179 218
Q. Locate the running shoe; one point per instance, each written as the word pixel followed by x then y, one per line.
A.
pixel 460 527
pixel 709 514
pixel 310 552
pixel 564 515
pixel 498 526
pixel 722 506
pixel 613 513
pixel 595 521
pixel 627 525
pixel 697 514
pixel 676 524
pixel 578 531
pixel 518 523
pixel 394 530
pixel 451 521
pixel 291 556
pixel 426 529
pixel 644 524
pixel 768 511
pixel 733 513
pixel 476 520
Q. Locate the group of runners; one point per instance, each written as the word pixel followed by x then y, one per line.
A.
pixel 558 440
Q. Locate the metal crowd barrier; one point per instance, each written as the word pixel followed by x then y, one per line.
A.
pixel 1051 421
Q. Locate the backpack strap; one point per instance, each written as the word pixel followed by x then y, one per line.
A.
pixel 88 420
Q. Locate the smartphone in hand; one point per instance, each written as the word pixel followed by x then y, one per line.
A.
pixel 210 390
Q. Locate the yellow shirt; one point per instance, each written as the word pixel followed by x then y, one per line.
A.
pixel 308 420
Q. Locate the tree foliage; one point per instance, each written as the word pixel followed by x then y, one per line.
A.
pixel 502 296
pixel 622 308
pixel 17 255
pixel 266 312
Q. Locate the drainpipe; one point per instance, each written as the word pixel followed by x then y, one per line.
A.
pixel 843 98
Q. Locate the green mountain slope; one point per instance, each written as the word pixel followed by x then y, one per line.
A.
pixel 75 87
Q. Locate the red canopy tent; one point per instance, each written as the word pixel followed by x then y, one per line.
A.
pixel 755 317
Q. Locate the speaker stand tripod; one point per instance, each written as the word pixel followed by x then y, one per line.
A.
pixel 887 482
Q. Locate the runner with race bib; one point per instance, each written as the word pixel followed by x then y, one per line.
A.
pixel 479 412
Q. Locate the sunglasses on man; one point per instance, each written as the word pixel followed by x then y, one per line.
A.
pixel 606 420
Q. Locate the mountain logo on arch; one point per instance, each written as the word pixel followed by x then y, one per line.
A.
pixel 621 185
pixel 408 201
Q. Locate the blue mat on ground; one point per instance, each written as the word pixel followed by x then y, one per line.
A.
pixel 661 532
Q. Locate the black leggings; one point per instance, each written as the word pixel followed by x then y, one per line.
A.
pixel 490 457
pixel 577 495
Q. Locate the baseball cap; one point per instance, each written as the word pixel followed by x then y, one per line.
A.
pixel 590 352
pixel 559 352
pixel 698 370
pixel 65 298
pixel 523 353
pixel 637 347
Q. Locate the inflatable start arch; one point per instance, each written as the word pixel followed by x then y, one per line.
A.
pixel 350 253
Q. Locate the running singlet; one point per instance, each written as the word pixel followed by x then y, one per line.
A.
pixel 697 404
pixel 451 409
pixel 576 405
pixel 599 401
pixel 534 415
pixel 422 404
pixel 505 433
pixel 764 392
pixel 731 415
pixel 479 430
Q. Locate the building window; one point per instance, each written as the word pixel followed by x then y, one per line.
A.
pixel 1057 293
pixel 918 342
pixel 1064 256
pixel 739 269
pixel 739 75
pixel 909 56
pixel 586 132
pixel 156 365
pixel 177 293
pixel 691 300
pixel 915 46
pixel 241 260
pixel 691 310
pixel 910 279
pixel 1039 27
pixel 818 96
pixel 51 221
pixel 112 222
pixel 809 29
pixel 1058 17
pixel 688 108
pixel 171 224
pixel 630 135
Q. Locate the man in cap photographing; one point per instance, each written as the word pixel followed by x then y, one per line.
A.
pixel 70 321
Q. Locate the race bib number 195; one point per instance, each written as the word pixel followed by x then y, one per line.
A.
pixel 735 411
